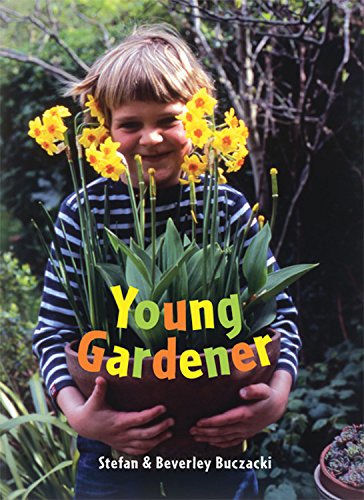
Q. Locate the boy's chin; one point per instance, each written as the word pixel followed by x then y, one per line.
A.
pixel 163 179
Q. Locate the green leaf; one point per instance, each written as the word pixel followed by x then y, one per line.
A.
pixel 119 246
pixel 111 273
pixel 319 424
pixel 278 281
pixel 255 260
pixel 168 277
pixel 34 417
pixel 264 316
pixel 145 256
pixel 62 465
pixel 136 279
pixel 11 462
pixel 173 247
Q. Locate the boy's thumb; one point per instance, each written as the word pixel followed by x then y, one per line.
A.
pixel 97 398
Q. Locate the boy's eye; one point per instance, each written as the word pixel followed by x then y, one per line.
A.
pixel 129 125
pixel 170 120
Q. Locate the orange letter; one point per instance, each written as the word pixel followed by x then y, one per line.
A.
pixel 180 324
pixel 98 352
pixel 170 366
pixel 242 351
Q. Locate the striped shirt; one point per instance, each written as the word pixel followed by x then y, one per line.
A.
pixel 57 324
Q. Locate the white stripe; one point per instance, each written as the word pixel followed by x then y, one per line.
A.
pixel 70 238
pixel 69 221
pixel 51 359
pixel 54 293
pixel 53 370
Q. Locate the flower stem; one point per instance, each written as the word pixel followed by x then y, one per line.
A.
pixel 153 199
pixel 273 175
pixel 141 184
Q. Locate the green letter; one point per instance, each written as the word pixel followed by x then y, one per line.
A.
pixel 153 318
pixel 139 355
pixel 221 352
pixel 235 320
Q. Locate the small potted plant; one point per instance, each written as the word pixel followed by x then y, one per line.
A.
pixel 220 268
pixel 341 470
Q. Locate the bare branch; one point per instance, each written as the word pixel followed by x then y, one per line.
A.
pixel 302 183
pixel 105 33
pixel 210 53
pixel 58 73
pixel 52 34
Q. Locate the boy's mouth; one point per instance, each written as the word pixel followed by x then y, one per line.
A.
pixel 155 157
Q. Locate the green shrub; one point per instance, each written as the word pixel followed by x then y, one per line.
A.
pixel 37 450
pixel 19 306
pixel 326 398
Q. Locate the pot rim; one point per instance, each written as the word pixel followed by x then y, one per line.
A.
pixel 320 487
pixel 330 475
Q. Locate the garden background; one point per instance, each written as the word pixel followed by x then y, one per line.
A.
pixel 293 70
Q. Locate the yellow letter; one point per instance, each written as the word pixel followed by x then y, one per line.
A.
pixel 189 358
pixel 206 305
pixel 260 343
pixel 98 352
pixel 123 304
pixel 111 364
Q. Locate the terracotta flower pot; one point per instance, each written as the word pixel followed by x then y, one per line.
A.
pixel 339 489
pixel 186 400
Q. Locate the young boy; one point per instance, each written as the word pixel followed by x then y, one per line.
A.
pixel 140 86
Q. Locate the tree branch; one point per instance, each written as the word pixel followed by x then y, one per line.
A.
pixel 58 73
pixel 51 33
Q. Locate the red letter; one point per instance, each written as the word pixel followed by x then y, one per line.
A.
pixel 98 352
pixel 180 323
pixel 240 352
pixel 170 355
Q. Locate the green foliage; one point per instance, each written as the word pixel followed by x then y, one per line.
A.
pixel 326 398
pixel 37 449
pixel 173 259
pixel 18 313
pixel 87 27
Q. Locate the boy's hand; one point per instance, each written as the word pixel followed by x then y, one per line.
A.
pixel 265 405
pixel 95 419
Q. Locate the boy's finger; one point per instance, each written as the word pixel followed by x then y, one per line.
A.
pixel 150 432
pixel 228 418
pixel 148 444
pixel 137 419
pixel 255 391
pixel 97 398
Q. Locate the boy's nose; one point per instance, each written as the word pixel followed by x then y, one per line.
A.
pixel 150 137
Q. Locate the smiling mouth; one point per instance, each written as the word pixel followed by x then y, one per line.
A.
pixel 155 157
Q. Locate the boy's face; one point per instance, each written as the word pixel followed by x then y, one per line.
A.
pixel 151 130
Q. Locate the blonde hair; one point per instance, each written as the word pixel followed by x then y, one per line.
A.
pixel 152 64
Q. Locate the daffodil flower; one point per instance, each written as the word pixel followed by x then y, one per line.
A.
pixel 95 109
pixel 93 136
pixel 202 102
pixel 199 133
pixel 230 119
pixel 225 140
pixel 36 128
pixel 57 111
